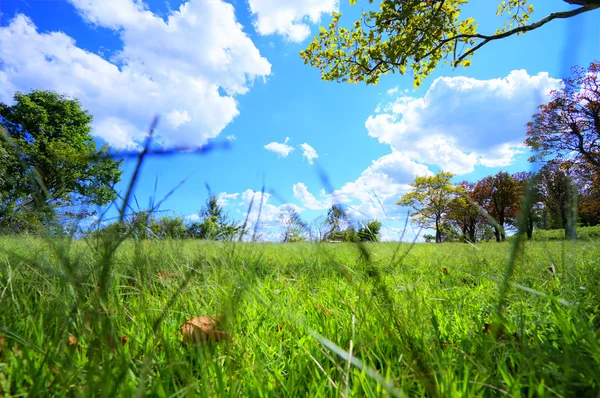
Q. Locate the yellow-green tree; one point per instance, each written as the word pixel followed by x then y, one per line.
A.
pixel 416 35
pixel 431 199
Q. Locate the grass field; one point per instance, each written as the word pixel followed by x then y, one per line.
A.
pixel 79 318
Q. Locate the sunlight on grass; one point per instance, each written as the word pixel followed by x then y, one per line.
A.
pixel 306 319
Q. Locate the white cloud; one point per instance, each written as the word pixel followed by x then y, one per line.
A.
pixel 289 18
pixel 392 90
pixel 307 199
pixel 282 149
pixel 174 68
pixel 309 153
pixel 374 193
pixel 231 138
pixel 177 118
pixel 266 216
pixel 462 122
pixel 192 217
pixel 224 198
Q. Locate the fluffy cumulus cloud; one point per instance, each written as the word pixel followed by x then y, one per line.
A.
pixel 264 215
pixel 307 199
pixel 187 68
pixel 224 198
pixel 374 193
pixel 463 122
pixel 280 148
pixel 309 153
pixel 289 18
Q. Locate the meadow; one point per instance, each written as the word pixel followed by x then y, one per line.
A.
pixel 304 319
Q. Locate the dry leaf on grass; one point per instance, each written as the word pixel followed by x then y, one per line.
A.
pixel 445 271
pixel 498 331
pixel 72 340
pixel 203 329
pixel 2 343
pixel 325 310
pixel 164 276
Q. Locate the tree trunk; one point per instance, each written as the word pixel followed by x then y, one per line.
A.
pixel 438 233
pixel 497 234
pixel 472 232
pixel 529 226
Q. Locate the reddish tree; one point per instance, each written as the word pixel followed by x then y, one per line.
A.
pixel 499 196
pixel 568 127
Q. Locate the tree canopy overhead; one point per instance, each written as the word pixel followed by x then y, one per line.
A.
pixel 415 35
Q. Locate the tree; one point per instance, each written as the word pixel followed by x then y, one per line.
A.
pixel 294 229
pixel 370 231
pixel 168 228
pixel 559 194
pixel 415 34
pixel 463 213
pixel 499 195
pixel 568 127
pixel 428 238
pixel 50 160
pixel 215 223
pixel 588 204
pixel 431 199
pixel 337 220
pixel 527 185
pixel 319 229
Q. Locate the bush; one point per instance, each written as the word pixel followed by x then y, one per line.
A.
pixel 583 233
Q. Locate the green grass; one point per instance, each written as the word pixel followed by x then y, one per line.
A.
pixel 307 320
pixel 583 233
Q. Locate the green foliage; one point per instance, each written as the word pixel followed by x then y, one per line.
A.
pixel 413 35
pixel 583 233
pixel 449 233
pixel 428 238
pixel 169 228
pixel 464 213
pixel 49 160
pixel 338 221
pixel 431 198
pixel 559 195
pixel 370 231
pixel 214 223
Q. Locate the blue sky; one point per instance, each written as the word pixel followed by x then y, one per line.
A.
pixel 231 71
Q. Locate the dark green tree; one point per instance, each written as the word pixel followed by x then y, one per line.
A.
pixel 49 161
pixel 168 228
pixel 214 223
pixel 370 231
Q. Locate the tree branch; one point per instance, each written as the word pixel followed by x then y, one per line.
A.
pixel 589 6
